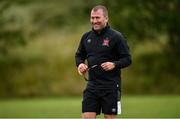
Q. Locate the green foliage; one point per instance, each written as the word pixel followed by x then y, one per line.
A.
pixel 49 31
pixel 9 37
pixel 148 20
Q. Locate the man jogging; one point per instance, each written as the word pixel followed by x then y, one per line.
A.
pixel 106 52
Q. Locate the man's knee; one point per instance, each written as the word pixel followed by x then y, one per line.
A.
pixel 109 116
pixel 89 115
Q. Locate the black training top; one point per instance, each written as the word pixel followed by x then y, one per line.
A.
pixel 107 46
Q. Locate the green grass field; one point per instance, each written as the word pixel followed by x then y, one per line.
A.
pixel 132 106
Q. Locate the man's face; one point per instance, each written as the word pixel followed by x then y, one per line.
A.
pixel 98 20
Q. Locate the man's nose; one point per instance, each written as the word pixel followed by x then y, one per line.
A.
pixel 94 20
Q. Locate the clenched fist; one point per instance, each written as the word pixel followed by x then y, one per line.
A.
pixel 82 68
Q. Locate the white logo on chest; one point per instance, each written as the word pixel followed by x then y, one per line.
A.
pixel 89 40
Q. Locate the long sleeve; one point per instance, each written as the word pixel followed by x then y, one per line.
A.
pixel 123 54
pixel 81 53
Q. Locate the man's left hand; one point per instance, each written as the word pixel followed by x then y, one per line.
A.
pixel 107 66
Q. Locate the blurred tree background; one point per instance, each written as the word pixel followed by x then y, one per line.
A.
pixel 38 40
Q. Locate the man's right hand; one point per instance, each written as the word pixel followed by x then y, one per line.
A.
pixel 82 68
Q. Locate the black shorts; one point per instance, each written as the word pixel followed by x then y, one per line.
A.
pixel 105 100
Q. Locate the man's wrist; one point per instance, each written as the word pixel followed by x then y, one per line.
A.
pixel 114 64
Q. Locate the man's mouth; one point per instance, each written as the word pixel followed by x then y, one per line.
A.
pixel 96 25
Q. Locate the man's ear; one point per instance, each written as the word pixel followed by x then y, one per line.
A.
pixel 107 18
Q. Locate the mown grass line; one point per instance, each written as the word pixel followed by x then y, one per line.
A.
pixel 132 106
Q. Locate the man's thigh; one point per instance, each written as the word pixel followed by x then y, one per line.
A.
pixel 91 102
pixel 109 102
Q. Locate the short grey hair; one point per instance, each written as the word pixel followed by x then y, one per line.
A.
pixel 104 9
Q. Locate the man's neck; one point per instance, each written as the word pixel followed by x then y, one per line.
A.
pixel 101 30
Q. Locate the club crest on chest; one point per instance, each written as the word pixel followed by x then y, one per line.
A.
pixel 105 42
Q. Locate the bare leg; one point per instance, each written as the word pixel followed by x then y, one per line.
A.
pixel 89 115
pixel 109 116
